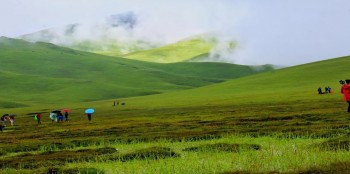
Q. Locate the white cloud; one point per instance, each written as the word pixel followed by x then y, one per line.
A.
pixel 285 32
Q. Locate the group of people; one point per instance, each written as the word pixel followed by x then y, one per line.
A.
pixel 4 118
pixel 327 90
pixel 345 90
pixel 10 117
pixel 58 117
pixel 55 116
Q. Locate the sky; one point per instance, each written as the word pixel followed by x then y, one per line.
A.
pixel 288 32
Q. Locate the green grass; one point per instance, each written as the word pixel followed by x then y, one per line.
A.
pixel 294 84
pixel 41 72
pixel 282 155
pixel 271 122
pixel 292 137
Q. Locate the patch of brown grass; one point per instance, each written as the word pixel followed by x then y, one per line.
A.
pixel 53 158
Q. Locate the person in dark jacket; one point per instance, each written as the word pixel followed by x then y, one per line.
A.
pixel 319 90
pixel 60 117
pixel 3 119
pixel 89 116
pixel 66 116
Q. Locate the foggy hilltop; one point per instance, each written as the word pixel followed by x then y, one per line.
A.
pixel 116 33
pixel 124 33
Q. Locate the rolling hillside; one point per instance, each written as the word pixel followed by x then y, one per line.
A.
pixel 294 84
pixel 46 73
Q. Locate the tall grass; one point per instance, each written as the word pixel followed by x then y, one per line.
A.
pixel 278 155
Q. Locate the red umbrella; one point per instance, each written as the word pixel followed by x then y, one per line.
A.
pixel 65 110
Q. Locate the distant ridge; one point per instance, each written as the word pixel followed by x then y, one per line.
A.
pixel 292 84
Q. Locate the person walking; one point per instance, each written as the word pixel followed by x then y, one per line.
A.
pixel 3 119
pixel 38 118
pixel 89 116
pixel 53 117
pixel 60 117
pixel 12 119
pixel 2 127
pixel 345 90
pixel 66 116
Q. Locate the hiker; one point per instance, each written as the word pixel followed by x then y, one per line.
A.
pixel 60 117
pixel 38 118
pixel 320 90
pixel 12 119
pixel 345 90
pixel 53 117
pixel 66 116
pixel 3 119
pixel 89 116
pixel 329 89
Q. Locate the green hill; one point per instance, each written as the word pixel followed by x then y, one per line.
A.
pixel 177 52
pixel 294 84
pixel 46 73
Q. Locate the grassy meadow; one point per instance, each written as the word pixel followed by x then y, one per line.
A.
pixel 289 137
pixel 269 122
pixel 45 73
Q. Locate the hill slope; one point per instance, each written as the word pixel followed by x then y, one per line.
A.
pixel 293 84
pixel 42 72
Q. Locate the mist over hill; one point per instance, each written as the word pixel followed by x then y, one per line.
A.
pixel 116 34
pixel 124 34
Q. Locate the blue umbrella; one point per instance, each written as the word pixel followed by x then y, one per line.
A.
pixel 89 111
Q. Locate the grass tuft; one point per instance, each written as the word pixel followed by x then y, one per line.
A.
pixel 83 171
pixel 223 147
pixel 151 153
pixel 334 168
pixel 53 158
pixel 336 144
